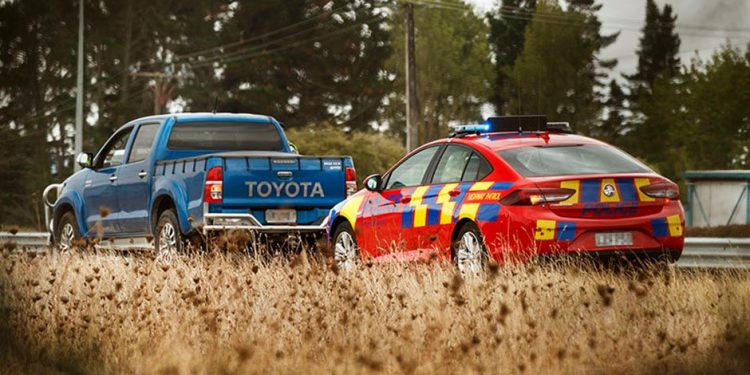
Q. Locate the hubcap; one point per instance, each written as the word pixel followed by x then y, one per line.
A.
pixel 67 234
pixel 469 256
pixel 345 251
pixel 167 241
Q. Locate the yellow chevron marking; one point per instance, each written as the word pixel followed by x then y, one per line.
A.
pixel 469 211
pixel 574 185
pixel 482 185
pixel 603 198
pixel 443 196
pixel 675 225
pixel 447 208
pixel 349 211
pixel 640 182
pixel 545 230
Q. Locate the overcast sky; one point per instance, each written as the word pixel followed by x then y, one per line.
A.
pixel 703 25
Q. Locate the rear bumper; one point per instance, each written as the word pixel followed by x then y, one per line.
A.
pixel 223 222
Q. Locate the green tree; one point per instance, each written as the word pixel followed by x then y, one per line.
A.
pixel 308 62
pixel 558 73
pixel 507 27
pixel 654 87
pixel 372 153
pixel 614 124
pixel 454 69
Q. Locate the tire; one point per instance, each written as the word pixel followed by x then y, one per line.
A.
pixel 67 232
pixel 168 240
pixel 345 249
pixel 469 250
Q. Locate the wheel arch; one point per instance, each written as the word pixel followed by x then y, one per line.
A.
pixel 161 203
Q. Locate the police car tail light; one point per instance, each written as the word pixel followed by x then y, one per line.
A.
pixel 664 190
pixel 534 196
pixel 214 190
pixel 351 180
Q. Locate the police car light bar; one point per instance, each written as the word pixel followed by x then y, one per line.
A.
pixel 505 124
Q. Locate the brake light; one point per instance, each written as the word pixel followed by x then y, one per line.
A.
pixel 666 190
pixel 350 175
pixel 214 190
pixel 534 196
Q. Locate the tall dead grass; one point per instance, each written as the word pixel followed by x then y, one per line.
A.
pixel 108 313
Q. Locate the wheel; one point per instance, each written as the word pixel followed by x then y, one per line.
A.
pixel 345 249
pixel 168 240
pixel 469 250
pixel 67 232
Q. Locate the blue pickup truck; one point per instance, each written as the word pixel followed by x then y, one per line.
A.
pixel 169 177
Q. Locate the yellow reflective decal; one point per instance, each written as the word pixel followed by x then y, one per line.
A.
pixel 675 225
pixel 447 208
pixel 483 185
pixel 573 185
pixel 545 230
pixel 469 211
pixel 640 182
pixel 615 197
pixel 349 211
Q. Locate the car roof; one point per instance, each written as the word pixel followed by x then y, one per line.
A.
pixel 504 141
pixel 207 116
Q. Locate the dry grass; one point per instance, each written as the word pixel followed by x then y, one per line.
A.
pixel 100 313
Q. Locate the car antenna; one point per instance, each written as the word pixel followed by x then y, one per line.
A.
pixel 216 103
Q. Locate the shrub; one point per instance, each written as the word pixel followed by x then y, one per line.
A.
pixel 372 152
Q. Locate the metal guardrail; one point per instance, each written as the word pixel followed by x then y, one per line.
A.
pixel 714 252
pixel 25 240
pixel 699 252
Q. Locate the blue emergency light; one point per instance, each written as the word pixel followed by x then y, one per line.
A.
pixel 505 124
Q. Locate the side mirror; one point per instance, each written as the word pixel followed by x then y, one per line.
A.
pixel 294 148
pixel 84 159
pixel 373 183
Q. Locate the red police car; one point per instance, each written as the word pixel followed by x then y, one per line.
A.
pixel 509 189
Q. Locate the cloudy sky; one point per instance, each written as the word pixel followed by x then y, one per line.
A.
pixel 703 26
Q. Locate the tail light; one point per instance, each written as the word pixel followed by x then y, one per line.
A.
pixel 214 190
pixel 666 190
pixel 525 197
pixel 351 180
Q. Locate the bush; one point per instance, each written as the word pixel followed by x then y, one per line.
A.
pixel 372 153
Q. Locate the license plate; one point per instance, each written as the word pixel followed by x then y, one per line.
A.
pixel 281 216
pixel 614 239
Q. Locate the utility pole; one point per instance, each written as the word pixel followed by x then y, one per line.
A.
pixel 412 101
pixel 163 88
pixel 79 93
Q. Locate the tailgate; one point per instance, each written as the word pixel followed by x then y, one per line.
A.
pixel 605 196
pixel 299 182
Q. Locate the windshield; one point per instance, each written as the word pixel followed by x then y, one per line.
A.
pixel 542 161
pixel 230 136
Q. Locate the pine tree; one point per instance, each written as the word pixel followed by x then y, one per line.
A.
pixel 558 73
pixel 658 52
pixel 613 126
pixel 656 80
pixel 507 26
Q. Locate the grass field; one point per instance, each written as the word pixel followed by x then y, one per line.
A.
pixel 100 313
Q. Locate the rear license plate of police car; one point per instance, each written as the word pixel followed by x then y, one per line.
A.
pixel 614 239
pixel 283 216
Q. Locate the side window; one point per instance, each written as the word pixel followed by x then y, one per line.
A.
pixel 144 138
pixel 452 165
pixel 476 169
pixel 113 153
pixel 412 170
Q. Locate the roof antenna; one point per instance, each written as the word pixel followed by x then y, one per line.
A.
pixel 216 103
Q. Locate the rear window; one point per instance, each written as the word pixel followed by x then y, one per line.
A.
pixel 231 136
pixel 569 160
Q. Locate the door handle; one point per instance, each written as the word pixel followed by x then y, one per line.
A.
pixel 113 178
pixel 454 193
pixel 405 199
pixel 284 174
pixel 142 174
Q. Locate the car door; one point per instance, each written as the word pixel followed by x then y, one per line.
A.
pixel 101 204
pixel 388 215
pixel 133 182
pixel 455 172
